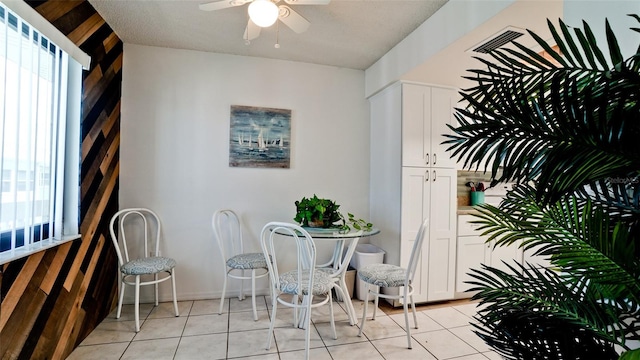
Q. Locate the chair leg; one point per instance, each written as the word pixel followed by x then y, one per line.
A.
pixel 350 310
pixel 333 322
pixel 364 311
pixel 173 286
pixel 308 329
pixel 415 317
pixel 304 308
pixel 376 299
pixel 119 312
pixel 224 290
pixel 296 311
pixel 253 294
pixel 274 308
pixel 136 303
pixel 406 320
pixel 155 277
pixel 241 296
pixel 406 323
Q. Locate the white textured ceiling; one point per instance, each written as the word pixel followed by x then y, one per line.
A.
pixel 345 33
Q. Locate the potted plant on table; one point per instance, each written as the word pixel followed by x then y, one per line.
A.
pixel 323 213
pixel 317 212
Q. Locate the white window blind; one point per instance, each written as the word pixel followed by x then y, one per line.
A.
pixel 33 74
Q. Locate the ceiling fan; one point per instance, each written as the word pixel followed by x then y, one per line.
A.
pixel 284 13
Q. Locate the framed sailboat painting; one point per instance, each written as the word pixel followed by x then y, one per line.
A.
pixel 259 137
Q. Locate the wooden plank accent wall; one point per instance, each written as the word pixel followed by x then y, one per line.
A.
pixel 53 299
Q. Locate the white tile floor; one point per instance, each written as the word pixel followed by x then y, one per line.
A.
pixel 200 333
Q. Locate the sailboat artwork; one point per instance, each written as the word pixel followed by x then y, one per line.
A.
pixel 259 137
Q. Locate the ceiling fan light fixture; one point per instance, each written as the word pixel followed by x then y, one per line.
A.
pixel 263 13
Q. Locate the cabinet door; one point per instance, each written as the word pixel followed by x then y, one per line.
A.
pixel 442 103
pixel 416 107
pixel 426 112
pixel 471 254
pixel 415 207
pixel 505 254
pixel 442 234
pixel 473 250
pixel 430 192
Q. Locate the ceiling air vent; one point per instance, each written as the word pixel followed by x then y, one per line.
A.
pixel 496 41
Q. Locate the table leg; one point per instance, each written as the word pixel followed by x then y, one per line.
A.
pixel 302 315
pixel 353 319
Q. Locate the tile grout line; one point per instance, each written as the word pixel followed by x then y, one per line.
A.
pixel 183 329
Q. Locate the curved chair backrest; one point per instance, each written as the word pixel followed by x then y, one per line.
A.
pixel 135 225
pixel 228 233
pixel 415 251
pixel 293 235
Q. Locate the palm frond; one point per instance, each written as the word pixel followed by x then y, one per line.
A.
pixel 548 295
pixel 630 355
pixel 567 131
pixel 562 110
pixel 577 237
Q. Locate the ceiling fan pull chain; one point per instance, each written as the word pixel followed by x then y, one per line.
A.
pixel 246 33
pixel 277 45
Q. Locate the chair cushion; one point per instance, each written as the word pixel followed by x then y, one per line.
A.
pixel 384 275
pixel 150 265
pixel 329 271
pixel 322 283
pixel 247 261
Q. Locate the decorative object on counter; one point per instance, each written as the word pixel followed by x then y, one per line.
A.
pixel 552 121
pixel 323 213
pixel 477 193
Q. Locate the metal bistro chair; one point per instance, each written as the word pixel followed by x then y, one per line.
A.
pixel 143 229
pixel 392 276
pixel 228 233
pixel 304 282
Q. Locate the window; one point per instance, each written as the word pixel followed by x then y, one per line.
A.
pixel 39 82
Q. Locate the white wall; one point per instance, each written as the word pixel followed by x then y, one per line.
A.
pixel 615 11
pixel 452 21
pixel 174 148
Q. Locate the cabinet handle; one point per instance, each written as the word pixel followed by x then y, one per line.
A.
pixel 427 176
pixel 427 156
pixel 434 175
pixel 435 159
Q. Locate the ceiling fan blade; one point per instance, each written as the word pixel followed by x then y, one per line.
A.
pixel 252 31
pixel 293 20
pixel 222 4
pixel 307 2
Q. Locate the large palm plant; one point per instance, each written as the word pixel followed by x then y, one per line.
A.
pixel 568 131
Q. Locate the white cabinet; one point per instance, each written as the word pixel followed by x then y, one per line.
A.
pixel 474 250
pixel 430 193
pixel 426 112
pixel 471 253
pixel 401 196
